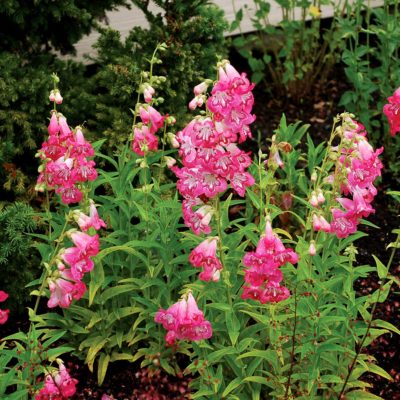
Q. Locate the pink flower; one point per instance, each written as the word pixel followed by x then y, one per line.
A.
pixel 263 276
pixel 312 250
pixel 148 93
pixel 184 321
pixel 205 256
pixel 58 386
pixel 392 112
pixel 151 116
pixel 4 316
pixel 144 141
pixel 3 296
pixel 87 245
pixel 70 194
pixel 200 88
pixel 58 98
pixel 92 221
pixel 53 127
pixel 65 289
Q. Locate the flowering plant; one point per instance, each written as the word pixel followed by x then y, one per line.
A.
pixel 273 311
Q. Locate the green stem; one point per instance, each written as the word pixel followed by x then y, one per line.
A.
pixel 292 360
pixel 221 251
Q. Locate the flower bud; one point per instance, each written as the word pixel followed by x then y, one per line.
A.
pixel 314 176
pixel 193 104
pixel 313 200
pixel 169 161
pixel 320 197
pixel 52 96
pixel 172 140
pixel 58 98
pixel 312 250
pixel 200 88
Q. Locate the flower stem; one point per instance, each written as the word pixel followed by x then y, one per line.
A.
pixel 221 251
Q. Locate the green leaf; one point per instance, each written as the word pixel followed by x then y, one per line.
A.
pixel 116 291
pixel 96 280
pixel 384 324
pixel 377 370
pixel 232 386
pixel 381 268
pixel 256 379
pixel 104 359
pixel 217 355
pixel 361 395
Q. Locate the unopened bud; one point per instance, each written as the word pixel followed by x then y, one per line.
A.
pixel 58 98
pixel 52 96
pixel 313 200
pixel 200 88
pixel 320 197
pixel 172 140
pixel 312 250
pixel 314 176
pixel 169 161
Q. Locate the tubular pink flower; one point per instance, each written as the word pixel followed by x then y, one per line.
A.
pixel 53 127
pixel 92 221
pixel 262 275
pixel 88 245
pixel 65 289
pixel 205 256
pixel 184 321
pixel 392 112
pixel 4 316
pixel 58 386
pixel 144 141
pixel 3 296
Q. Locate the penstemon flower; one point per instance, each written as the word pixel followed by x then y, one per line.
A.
pixel 392 112
pixel 205 256
pixel 58 386
pixel 210 157
pixel 3 313
pixel 184 321
pixel 358 166
pixel 65 160
pixel 263 276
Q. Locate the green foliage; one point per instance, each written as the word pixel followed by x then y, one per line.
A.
pixel 22 358
pixel 40 25
pixel 18 264
pixel 307 346
pixel 23 102
pixel 372 68
pixel 294 54
pixel 193 32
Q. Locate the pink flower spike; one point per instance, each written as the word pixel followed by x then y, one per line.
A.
pixel 3 296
